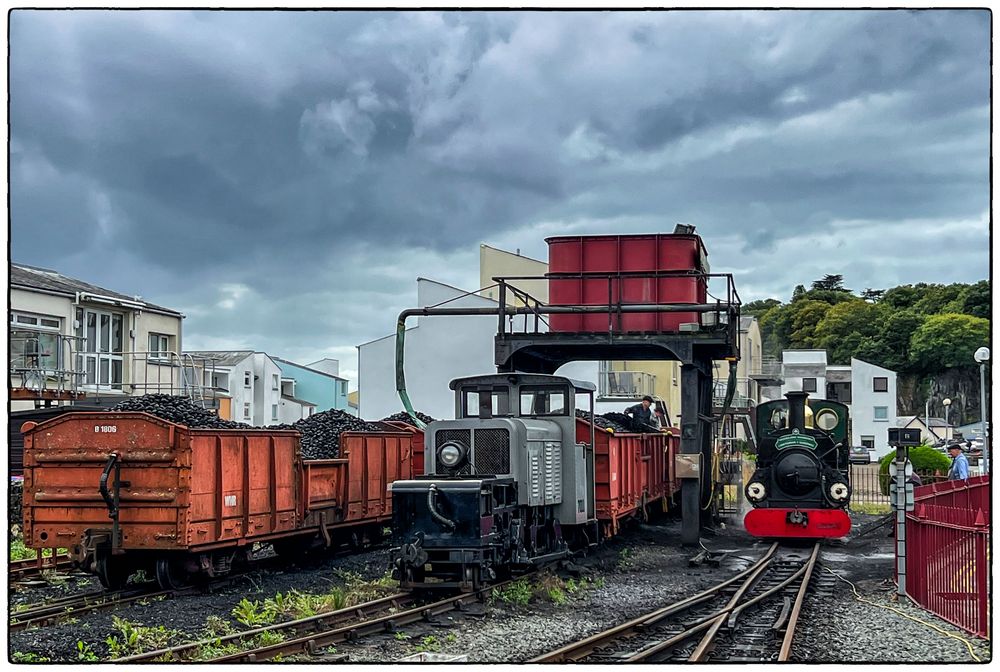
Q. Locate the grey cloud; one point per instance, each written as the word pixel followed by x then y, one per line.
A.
pixel 275 151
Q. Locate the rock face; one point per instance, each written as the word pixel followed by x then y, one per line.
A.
pixel 959 385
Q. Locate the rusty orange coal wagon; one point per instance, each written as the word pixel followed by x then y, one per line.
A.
pixel 125 491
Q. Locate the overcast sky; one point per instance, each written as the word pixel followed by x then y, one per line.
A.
pixel 283 178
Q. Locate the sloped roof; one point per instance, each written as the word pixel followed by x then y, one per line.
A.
pixel 745 322
pixel 303 402
pixel 307 368
pixel 32 277
pixel 221 357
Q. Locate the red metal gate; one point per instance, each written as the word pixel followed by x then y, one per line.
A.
pixel 947 552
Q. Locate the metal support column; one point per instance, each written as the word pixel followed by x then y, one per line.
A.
pixel 692 468
pixel 706 432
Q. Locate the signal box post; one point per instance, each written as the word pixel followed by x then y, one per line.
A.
pixel 901 494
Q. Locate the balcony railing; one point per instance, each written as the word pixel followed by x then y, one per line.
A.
pixel 624 385
pixel 744 398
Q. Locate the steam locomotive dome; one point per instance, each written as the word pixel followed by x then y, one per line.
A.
pixel 797 472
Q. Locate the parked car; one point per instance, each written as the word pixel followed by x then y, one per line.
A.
pixel 860 455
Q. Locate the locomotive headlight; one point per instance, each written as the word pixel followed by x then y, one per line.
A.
pixel 756 491
pixel 838 491
pixel 450 454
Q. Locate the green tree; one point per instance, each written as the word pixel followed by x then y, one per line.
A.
pixel 798 292
pixel 805 317
pixel 845 325
pixel 947 341
pixel 903 296
pixel 759 307
pixel 895 335
pixel 831 296
pixel 834 283
pixel 873 295
pixel 941 299
pixel 977 300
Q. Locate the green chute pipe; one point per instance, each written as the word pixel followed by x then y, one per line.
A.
pixel 400 375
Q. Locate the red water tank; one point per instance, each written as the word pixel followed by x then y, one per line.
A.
pixel 590 259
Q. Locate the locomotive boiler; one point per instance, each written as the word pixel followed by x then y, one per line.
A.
pixel 801 486
pixel 506 486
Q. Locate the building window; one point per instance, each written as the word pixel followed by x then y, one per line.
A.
pixel 880 384
pixel 275 382
pixel 159 346
pixel 881 413
pixel 274 411
pixel 34 342
pixel 100 358
pixel 839 392
pixel 808 384
pixel 247 379
pixel 246 411
pixel 868 442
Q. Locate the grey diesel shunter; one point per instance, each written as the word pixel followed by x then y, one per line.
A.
pixel 506 485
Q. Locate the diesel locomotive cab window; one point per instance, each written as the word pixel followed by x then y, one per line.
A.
pixel 543 400
pixel 499 400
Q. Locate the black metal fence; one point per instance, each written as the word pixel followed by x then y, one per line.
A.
pixel 870 488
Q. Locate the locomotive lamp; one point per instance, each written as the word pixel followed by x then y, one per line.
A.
pixel 756 491
pixel 451 454
pixel 838 492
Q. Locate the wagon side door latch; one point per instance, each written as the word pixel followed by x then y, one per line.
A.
pixel 112 496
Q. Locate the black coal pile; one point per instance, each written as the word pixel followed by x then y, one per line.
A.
pixel 403 416
pixel 600 421
pixel 180 410
pixel 627 424
pixel 321 432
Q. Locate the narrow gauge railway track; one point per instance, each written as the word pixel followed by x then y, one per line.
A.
pixel 297 628
pixel 712 630
pixel 313 643
pixel 23 569
pixel 55 611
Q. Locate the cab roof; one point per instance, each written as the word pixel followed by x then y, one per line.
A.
pixel 523 379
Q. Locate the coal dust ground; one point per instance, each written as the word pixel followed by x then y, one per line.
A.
pixel 641 570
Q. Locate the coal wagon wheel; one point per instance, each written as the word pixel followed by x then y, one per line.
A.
pixel 112 571
pixel 171 574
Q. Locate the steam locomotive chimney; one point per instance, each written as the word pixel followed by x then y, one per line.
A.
pixel 797 410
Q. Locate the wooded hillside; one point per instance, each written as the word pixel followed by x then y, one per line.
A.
pixel 927 333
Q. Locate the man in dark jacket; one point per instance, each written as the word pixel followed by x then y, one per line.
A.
pixel 641 413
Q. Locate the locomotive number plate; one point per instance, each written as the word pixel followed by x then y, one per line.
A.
pixel 105 429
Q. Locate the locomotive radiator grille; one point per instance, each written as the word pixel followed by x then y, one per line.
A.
pixel 492 451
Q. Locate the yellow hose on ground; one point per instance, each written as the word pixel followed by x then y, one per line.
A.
pixel 857 596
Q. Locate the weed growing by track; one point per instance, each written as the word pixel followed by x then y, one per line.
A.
pixel 133 638
pixel 548 587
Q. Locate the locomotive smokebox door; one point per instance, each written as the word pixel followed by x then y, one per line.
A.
pixel 900 436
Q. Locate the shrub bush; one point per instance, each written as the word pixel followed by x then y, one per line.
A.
pixel 924 458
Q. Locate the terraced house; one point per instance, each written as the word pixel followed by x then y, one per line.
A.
pixel 71 340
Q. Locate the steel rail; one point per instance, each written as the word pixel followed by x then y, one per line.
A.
pixel 734 613
pixel 316 622
pixel 583 648
pixel 716 624
pixel 65 608
pixel 18 569
pixel 793 619
pixel 314 642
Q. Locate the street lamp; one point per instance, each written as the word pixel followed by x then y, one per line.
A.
pixel 946 403
pixel 982 356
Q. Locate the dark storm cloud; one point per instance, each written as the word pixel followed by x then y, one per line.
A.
pixel 259 169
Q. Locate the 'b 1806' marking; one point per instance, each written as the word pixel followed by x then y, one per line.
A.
pixel 105 429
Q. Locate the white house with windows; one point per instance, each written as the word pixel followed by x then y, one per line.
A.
pixel 869 391
pixel 248 383
pixel 69 337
